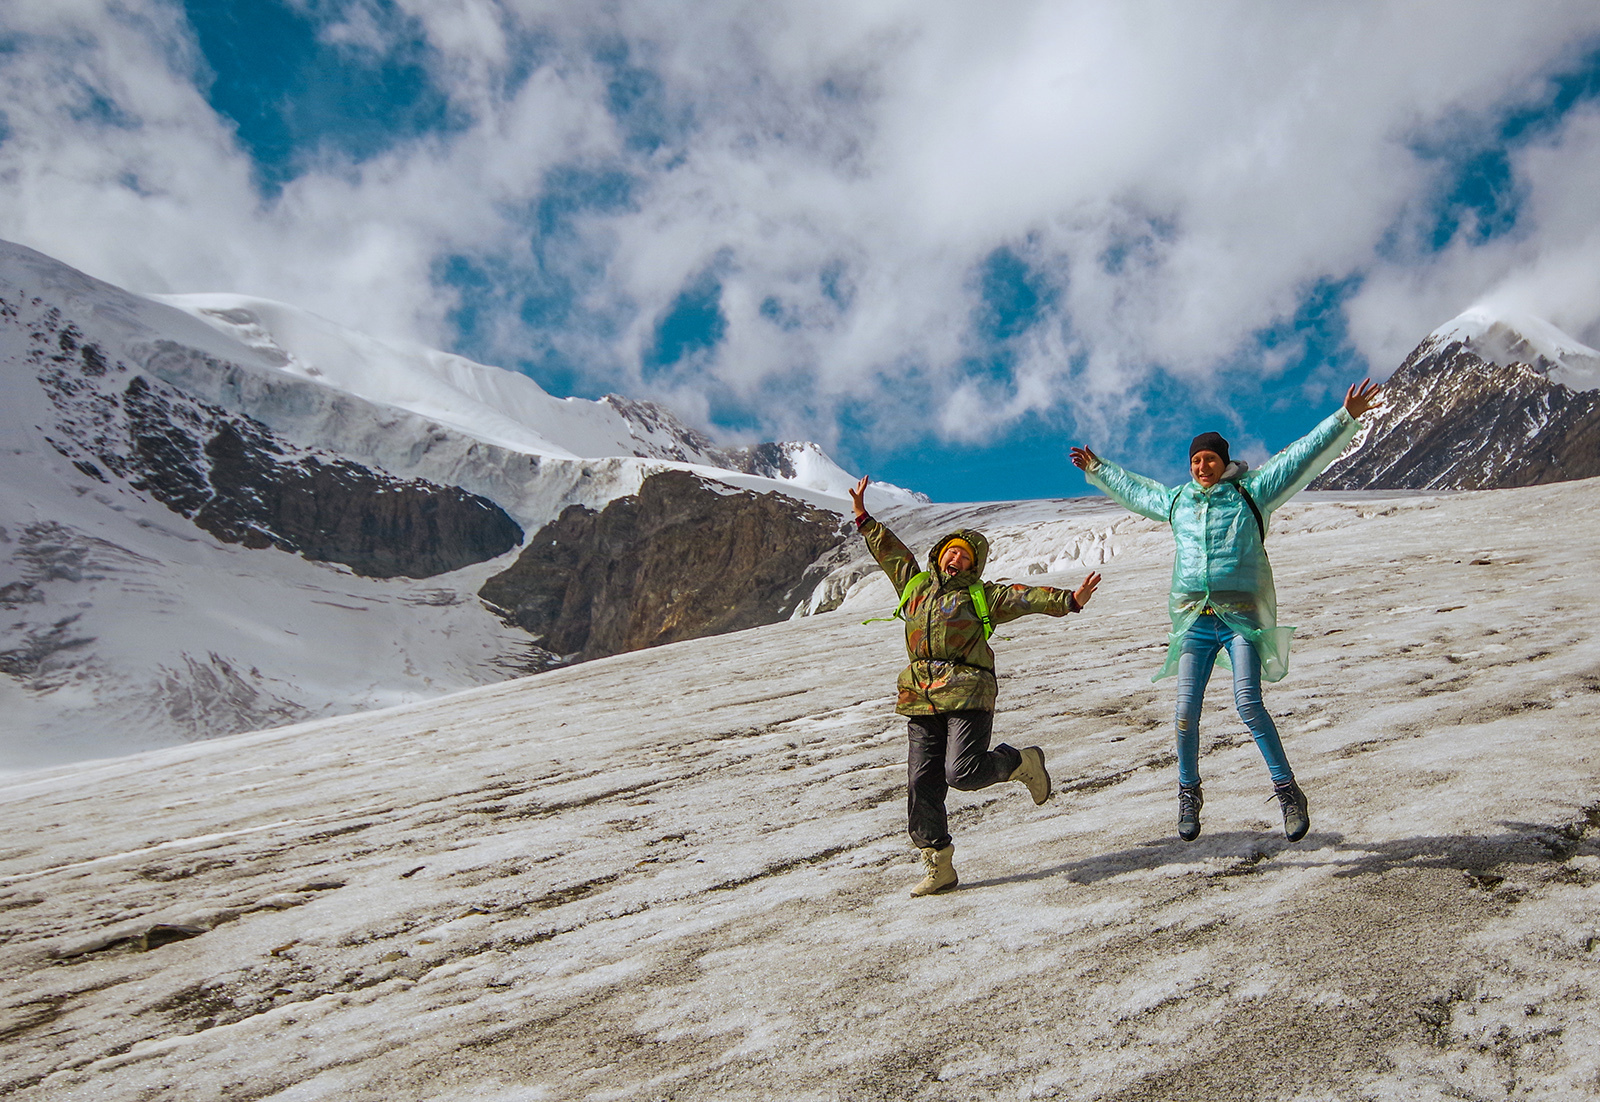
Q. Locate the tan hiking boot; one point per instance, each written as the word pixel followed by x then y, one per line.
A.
pixel 939 871
pixel 1033 774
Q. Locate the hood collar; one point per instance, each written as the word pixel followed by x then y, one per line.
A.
pixel 980 553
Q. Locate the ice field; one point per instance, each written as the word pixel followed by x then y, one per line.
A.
pixel 682 873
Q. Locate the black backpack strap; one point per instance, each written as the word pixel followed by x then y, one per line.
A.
pixel 1261 525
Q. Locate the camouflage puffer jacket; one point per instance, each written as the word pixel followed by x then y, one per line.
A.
pixel 952 667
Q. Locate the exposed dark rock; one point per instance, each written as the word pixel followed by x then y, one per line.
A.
pixel 660 435
pixel 40 650
pixel 342 512
pixel 767 460
pixel 235 479
pixel 679 560
pixel 1452 421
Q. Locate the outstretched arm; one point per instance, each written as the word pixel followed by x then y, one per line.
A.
pixel 1007 602
pixel 1135 492
pixel 1287 473
pixel 896 559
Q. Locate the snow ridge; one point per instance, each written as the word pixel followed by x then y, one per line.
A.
pixel 490 406
pixel 1506 339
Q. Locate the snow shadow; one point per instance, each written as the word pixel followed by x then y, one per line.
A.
pixel 1240 853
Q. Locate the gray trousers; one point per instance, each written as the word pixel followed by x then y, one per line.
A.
pixel 949 750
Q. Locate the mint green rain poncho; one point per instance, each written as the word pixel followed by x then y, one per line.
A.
pixel 1220 559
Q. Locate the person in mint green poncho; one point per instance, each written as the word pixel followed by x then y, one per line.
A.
pixel 1223 604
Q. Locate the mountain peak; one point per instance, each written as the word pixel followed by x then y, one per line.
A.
pixel 1504 339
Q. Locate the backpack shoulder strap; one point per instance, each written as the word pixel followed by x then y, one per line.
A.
pixel 1261 525
pixel 980 603
pixel 905 595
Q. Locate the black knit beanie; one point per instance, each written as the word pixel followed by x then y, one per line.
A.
pixel 1209 442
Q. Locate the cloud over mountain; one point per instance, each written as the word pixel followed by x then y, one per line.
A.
pixel 921 223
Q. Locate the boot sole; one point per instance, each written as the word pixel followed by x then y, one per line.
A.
pixel 940 890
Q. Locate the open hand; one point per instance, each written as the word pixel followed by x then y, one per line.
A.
pixel 1086 590
pixel 1361 397
pixel 858 495
pixel 1084 459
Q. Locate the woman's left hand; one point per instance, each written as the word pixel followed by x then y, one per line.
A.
pixel 1362 397
pixel 1086 590
pixel 858 495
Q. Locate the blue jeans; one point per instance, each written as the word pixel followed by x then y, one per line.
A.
pixel 1196 657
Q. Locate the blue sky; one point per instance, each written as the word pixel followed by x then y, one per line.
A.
pixel 945 247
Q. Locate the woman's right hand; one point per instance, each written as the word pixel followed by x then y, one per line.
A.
pixel 1084 459
pixel 1086 590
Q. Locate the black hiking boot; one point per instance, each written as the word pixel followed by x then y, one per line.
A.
pixel 1296 816
pixel 1190 800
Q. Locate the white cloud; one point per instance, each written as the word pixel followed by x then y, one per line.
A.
pixel 856 163
pixel 1550 269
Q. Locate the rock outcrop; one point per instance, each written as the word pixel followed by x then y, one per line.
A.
pixel 1455 421
pixel 679 560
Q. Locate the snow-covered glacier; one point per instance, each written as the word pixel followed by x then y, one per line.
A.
pixel 151 594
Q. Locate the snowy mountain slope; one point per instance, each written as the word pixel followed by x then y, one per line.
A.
pixel 157 463
pixel 497 407
pixel 682 872
pixel 1480 404
pixel 125 625
pixel 406 410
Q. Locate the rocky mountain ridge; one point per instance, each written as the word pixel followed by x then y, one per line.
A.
pixel 1454 419
pixel 235 478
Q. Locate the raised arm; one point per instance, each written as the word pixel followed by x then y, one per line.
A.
pixel 896 559
pixel 1135 492
pixel 1288 472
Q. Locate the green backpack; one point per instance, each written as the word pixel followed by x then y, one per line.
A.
pixel 980 603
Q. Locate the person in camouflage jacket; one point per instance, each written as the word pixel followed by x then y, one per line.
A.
pixel 948 691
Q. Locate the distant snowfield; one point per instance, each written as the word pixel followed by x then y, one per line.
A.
pixel 682 873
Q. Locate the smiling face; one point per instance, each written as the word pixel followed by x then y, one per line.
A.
pixel 955 558
pixel 1206 467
